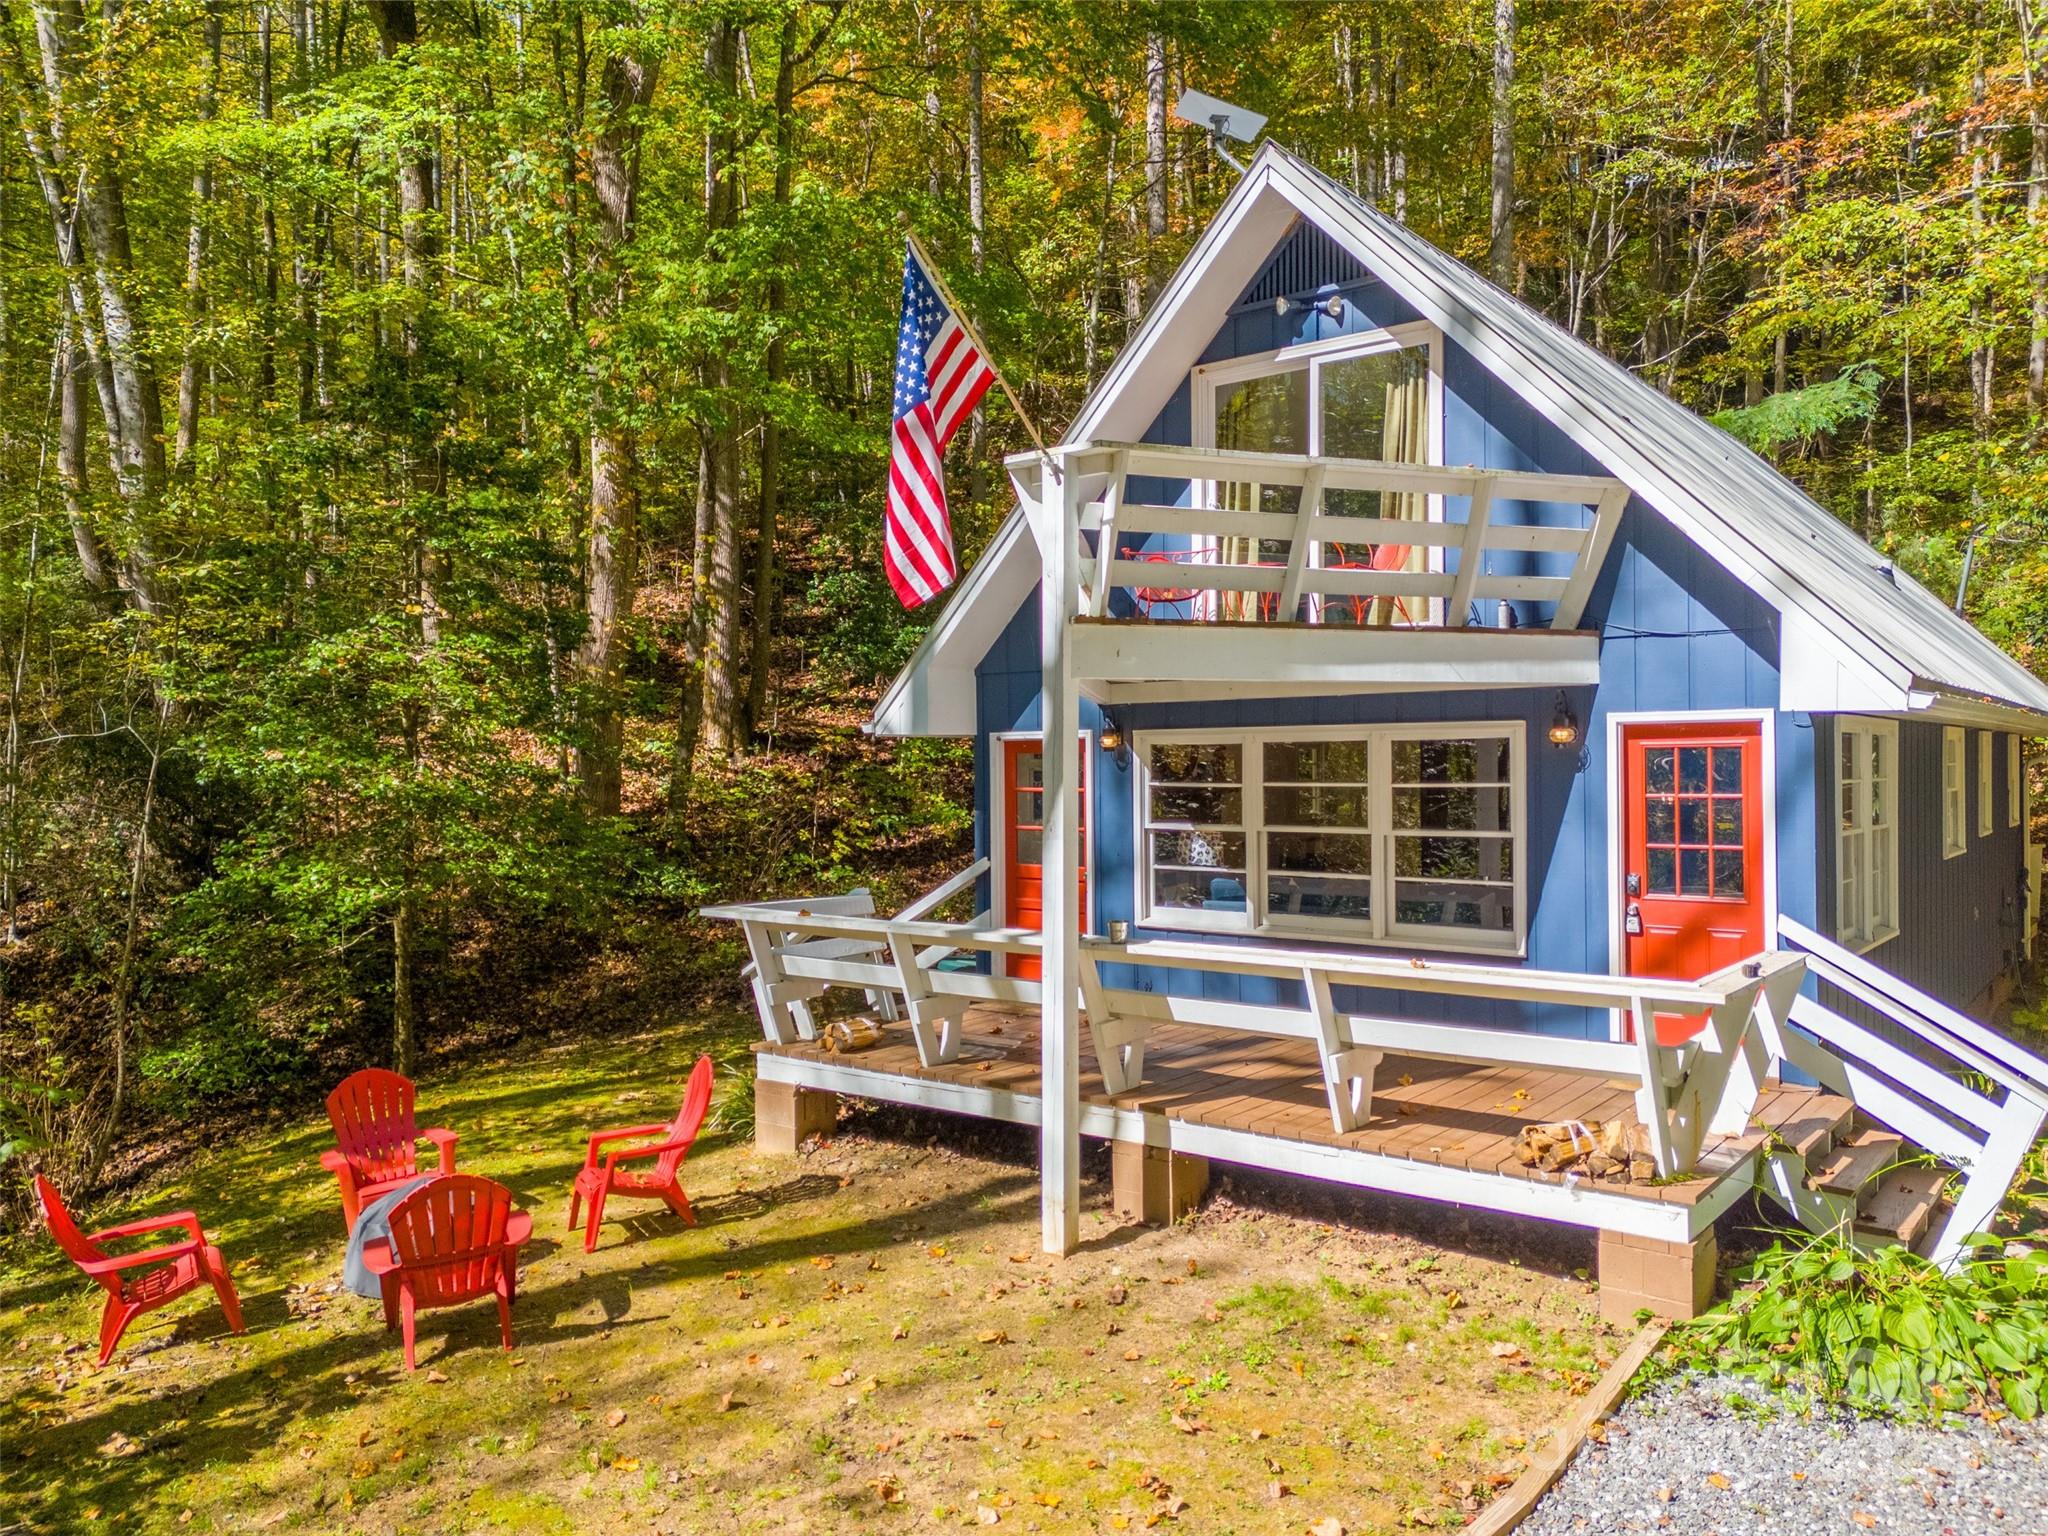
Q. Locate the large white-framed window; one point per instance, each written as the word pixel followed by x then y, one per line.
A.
pixel 1954 813
pixel 1866 831
pixel 1983 783
pixel 1376 834
pixel 1372 395
pixel 2015 782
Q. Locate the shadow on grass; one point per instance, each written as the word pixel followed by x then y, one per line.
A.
pixel 264 1402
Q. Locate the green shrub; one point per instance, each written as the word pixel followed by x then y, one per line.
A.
pixel 1884 1332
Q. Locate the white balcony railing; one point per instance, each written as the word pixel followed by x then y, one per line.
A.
pixel 1222 551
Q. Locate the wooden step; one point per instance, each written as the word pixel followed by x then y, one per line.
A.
pixel 1902 1207
pixel 1849 1169
pixel 1813 1131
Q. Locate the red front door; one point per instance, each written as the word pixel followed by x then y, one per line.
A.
pixel 1023 838
pixel 1693 865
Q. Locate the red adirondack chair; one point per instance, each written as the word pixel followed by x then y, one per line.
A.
pixel 452 1240
pixel 378 1145
pixel 597 1180
pixel 170 1271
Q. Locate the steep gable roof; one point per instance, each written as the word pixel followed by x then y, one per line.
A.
pixel 1857 634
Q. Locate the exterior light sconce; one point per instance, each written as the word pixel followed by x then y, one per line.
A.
pixel 1113 741
pixel 1332 305
pixel 1564 725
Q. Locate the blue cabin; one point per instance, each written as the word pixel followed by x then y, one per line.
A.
pixel 1375 667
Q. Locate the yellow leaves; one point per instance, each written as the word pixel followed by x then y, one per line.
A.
pixel 1436 1450
pixel 992 1336
pixel 625 1464
pixel 887 1490
pixel 822 1261
pixel 1863 1517
pixel 937 1250
pixel 1133 1354
pixel 1047 1498
pixel 1717 1480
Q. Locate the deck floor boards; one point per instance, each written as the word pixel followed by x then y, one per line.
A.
pixel 1457 1114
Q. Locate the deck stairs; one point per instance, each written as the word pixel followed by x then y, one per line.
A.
pixel 1928 1117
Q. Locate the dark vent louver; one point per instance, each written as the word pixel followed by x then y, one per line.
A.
pixel 1307 261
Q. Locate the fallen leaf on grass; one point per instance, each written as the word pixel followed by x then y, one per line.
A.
pixel 1329 1525
pixel 615 1418
pixel 438 1378
pixel 625 1463
pixel 1504 1350
pixel 993 1336
pixel 726 1403
pixel 1188 1426
pixel 1132 1354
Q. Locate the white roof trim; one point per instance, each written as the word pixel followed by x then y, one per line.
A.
pixel 1857 634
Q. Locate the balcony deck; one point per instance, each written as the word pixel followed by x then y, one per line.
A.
pixel 1439 1129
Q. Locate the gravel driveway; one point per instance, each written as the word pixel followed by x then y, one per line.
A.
pixel 1679 1461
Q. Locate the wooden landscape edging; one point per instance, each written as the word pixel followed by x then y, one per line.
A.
pixel 1513 1507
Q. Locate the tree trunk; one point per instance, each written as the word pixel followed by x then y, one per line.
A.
pixel 1500 250
pixel 977 226
pixel 71 459
pixel 1155 136
pixel 89 219
pixel 626 86
pixel 2033 65
pixel 404 1018
pixel 195 254
pixel 719 559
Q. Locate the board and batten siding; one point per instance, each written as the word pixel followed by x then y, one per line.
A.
pixel 1679 635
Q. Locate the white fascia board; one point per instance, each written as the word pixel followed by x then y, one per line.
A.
pixel 1244 660
pixel 1527 376
pixel 934 693
pixel 1246 230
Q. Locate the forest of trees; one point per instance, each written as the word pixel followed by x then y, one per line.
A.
pixel 442 441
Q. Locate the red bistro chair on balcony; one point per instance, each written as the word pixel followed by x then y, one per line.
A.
pixel 377 1145
pixel 169 1271
pixel 452 1240
pixel 597 1180
pixel 1383 557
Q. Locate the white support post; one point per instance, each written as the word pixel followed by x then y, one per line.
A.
pixel 1106 536
pixel 1347 1073
pixel 1119 1039
pixel 934 1019
pixel 1571 607
pixel 784 1018
pixel 1302 545
pixel 1990 1174
pixel 1651 1107
pixel 1471 554
pixel 1060 963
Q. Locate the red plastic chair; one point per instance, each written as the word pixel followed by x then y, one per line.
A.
pixel 597 1180
pixel 377 1144
pixel 452 1240
pixel 171 1270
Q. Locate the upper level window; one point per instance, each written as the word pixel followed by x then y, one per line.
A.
pixel 1866 837
pixel 1370 396
pixel 1954 813
pixel 1366 833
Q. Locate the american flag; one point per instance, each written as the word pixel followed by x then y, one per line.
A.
pixel 941 376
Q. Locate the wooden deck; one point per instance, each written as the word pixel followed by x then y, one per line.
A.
pixel 1438 1128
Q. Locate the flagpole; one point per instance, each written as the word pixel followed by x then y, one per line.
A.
pixel 960 315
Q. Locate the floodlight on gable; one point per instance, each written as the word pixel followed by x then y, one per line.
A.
pixel 1223 121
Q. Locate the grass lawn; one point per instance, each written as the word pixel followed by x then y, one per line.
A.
pixel 864 1337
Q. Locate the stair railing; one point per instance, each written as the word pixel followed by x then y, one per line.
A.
pixel 1986 1131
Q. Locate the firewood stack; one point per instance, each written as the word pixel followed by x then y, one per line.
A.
pixel 1613 1151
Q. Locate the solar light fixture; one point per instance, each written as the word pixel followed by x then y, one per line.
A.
pixel 1223 121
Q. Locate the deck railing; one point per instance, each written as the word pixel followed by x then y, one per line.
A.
pixel 1684 1093
pixel 1314 563
pixel 1965 1093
